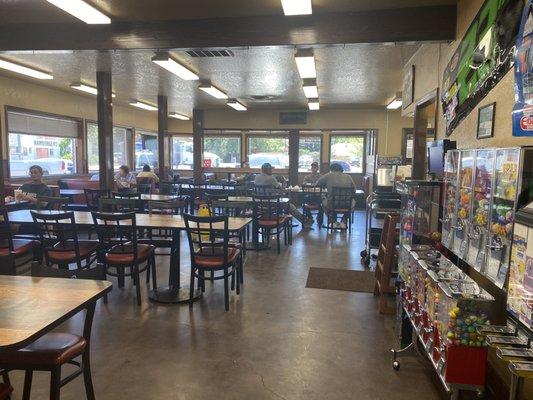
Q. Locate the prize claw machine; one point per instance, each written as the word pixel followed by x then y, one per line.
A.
pixel 450 197
pixel 464 202
pixel 520 288
pixel 480 217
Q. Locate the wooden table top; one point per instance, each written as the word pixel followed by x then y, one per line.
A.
pixel 247 199
pixel 31 307
pixel 71 192
pixel 157 197
pixel 153 221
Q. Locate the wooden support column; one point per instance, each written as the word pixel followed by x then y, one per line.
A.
pixel 105 129
pixel 162 132
pixel 198 144
pixel 294 144
pixel 3 169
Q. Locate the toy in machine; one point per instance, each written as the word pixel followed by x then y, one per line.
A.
pixel 464 202
pixel 451 165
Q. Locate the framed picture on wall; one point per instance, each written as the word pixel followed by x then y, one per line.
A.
pixel 408 87
pixel 485 121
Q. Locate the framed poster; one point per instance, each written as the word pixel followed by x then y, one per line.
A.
pixel 485 121
pixel 408 88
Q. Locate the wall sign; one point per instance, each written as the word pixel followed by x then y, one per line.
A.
pixel 523 109
pixel 482 58
pixel 293 118
pixel 485 121
pixel 408 87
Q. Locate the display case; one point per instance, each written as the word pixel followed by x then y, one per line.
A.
pixel 478 235
pixel 464 202
pixel 451 164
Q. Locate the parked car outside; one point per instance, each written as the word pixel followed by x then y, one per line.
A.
pixel 345 166
pixel 277 160
pixel 50 166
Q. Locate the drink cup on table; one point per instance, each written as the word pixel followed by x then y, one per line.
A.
pixel 18 194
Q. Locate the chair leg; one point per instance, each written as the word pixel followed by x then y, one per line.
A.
pixel 55 383
pixel 154 274
pixel 27 384
pixel 87 379
pixel 233 280
pixel 236 271
pixel 191 288
pixel 137 283
pixel 148 272
pixel 277 240
pixel 226 290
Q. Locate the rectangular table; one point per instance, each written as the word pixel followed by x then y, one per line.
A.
pixel 31 307
pixel 174 223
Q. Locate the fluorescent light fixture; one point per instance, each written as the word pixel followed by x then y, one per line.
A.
pixel 213 91
pixel 236 105
pixel 81 10
pixel 310 89
pixel 165 61
pixel 396 102
pixel 142 105
pixel 297 7
pixel 86 88
pixel 19 69
pixel 179 116
pixel 313 104
pixel 305 61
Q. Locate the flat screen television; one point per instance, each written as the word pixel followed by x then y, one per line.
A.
pixel 435 156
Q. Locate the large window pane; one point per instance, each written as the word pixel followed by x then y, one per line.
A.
pixel 92 147
pixel 182 152
pixel 146 151
pixel 309 152
pixel 120 147
pixel 348 151
pixel 274 150
pixel 56 155
pixel 222 151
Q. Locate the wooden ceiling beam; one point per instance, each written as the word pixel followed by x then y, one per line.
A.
pixel 435 23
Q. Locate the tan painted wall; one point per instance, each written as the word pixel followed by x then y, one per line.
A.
pixel 431 59
pixel 388 123
pixel 24 94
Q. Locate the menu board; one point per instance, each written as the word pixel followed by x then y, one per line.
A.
pixel 520 290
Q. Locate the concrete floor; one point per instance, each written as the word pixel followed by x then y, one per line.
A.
pixel 278 341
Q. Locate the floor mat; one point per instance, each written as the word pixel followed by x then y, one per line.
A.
pixel 340 279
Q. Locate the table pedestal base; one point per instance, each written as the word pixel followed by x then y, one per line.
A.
pixel 170 295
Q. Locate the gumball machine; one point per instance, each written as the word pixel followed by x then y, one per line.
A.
pixel 464 203
pixel 451 178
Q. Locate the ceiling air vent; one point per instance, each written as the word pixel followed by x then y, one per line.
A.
pixel 210 53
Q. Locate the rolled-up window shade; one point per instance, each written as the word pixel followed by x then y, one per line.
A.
pixel 32 124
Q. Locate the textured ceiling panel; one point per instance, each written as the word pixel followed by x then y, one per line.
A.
pixel 34 11
pixel 348 76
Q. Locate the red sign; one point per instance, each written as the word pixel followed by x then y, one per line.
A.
pixel 207 163
pixel 526 123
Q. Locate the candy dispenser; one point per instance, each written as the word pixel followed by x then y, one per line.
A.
pixel 450 196
pixel 480 218
pixel 464 202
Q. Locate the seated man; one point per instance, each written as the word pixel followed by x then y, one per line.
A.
pixel 313 177
pixel 266 179
pixel 335 178
pixel 36 187
pixel 147 173
pixel 125 180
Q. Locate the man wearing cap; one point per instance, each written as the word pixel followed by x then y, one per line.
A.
pixel 335 178
pixel 312 178
pixel 265 179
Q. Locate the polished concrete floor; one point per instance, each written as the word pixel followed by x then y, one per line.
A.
pixel 278 341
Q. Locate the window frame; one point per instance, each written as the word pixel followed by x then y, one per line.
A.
pixel 146 132
pixel 221 133
pixel 78 142
pixel 171 136
pixel 304 134
pixel 270 134
pixel 350 132
pixel 130 144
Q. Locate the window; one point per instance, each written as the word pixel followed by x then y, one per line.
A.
pixel 348 151
pixel 47 141
pixel 182 152
pixel 222 151
pixel 120 147
pixel 309 152
pixel 269 149
pixel 146 150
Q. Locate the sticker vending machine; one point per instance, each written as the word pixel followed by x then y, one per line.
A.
pixel 450 197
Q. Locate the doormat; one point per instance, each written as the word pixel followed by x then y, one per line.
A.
pixel 341 279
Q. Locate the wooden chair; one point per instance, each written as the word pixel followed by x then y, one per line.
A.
pixel 145 185
pixel 211 252
pixel 52 203
pixel 118 205
pixel 312 201
pixel 14 249
pixel 120 250
pixel 53 350
pixel 340 202
pixel 59 238
pixel 271 218
pixel 5 391
pixel 93 196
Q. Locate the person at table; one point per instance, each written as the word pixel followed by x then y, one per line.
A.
pixel 335 178
pixel 36 188
pixel 147 173
pixel 246 176
pixel 313 177
pixel 266 179
pixel 124 179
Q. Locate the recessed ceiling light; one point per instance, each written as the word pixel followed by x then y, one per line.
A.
pixel 19 69
pixel 313 104
pixel 297 7
pixel 142 105
pixel 86 88
pixel 179 116
pixel 165 61
pixel 81 10
pixel 310 89
pixel 236 105
pixel 213 91
pixel 305 61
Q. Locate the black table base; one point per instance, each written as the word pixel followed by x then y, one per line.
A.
pixel 170 295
